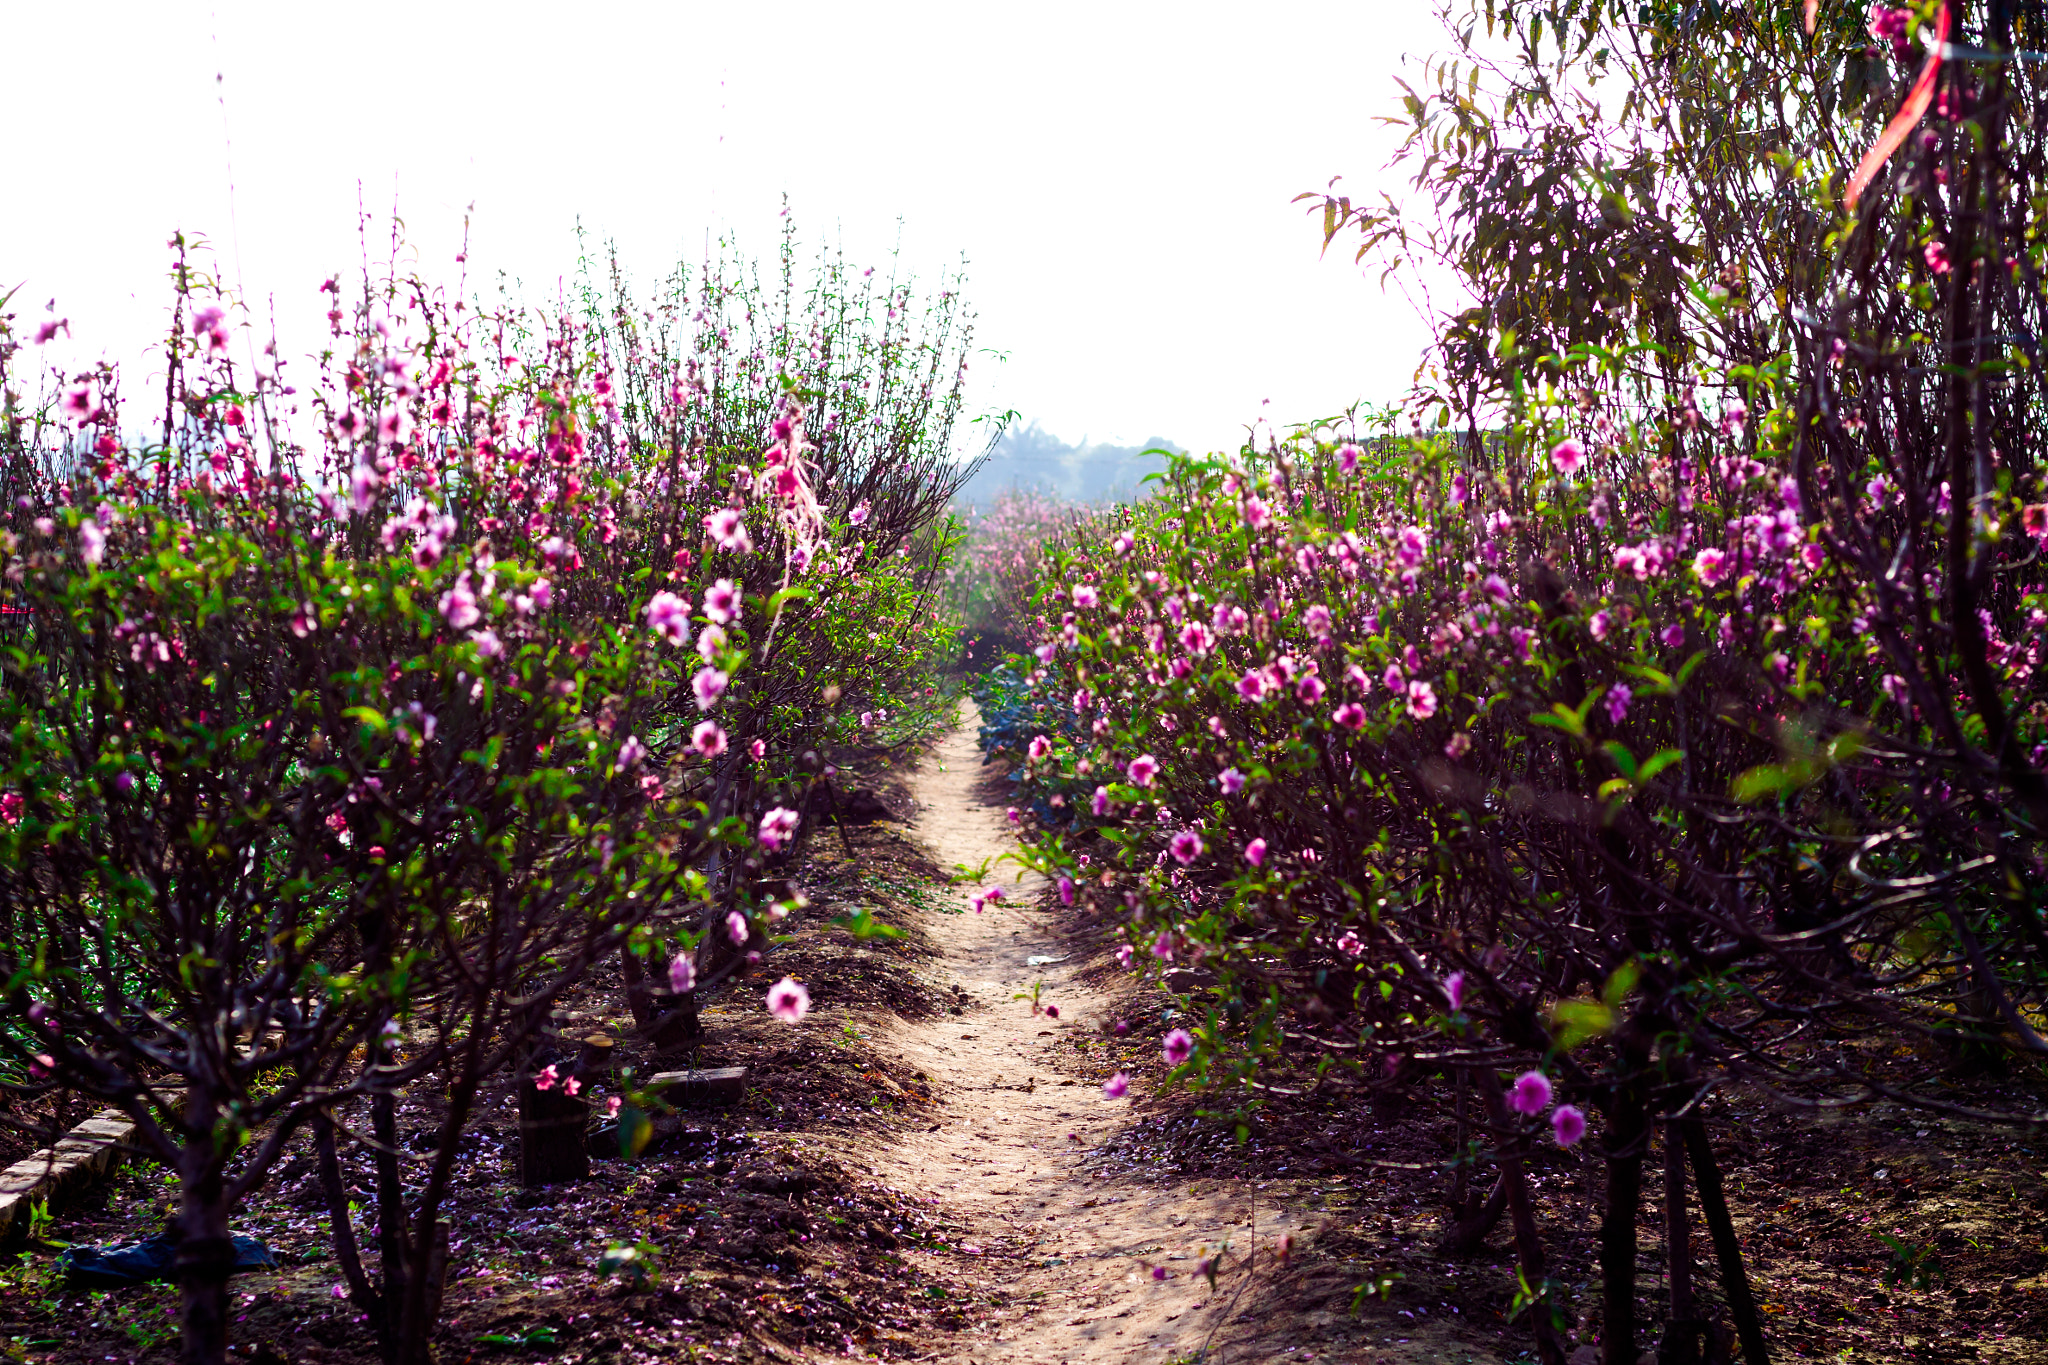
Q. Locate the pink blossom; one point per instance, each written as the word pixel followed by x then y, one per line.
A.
pixel 1123 956
pixel 1255 853
pixel 728 527
pixel 1531 1093
pixel 1618 698
pixel 708 739
pixel 1099 803
pixel 722 601
pixel 1569 1125
pixel 1350 715
pixel 1567 456
pixel 736 927
pixel 487 643
pixel 1350 944
pixel 667 616
pixel 1421 700
pixel 546 1078
pixel 1116 1086
pixel 710 641
pixel 1936 253
pixel 1186 846
pixel 1599 624
pixel 1309 690
pixel 788 1000
pixel 1454 989
pixel 1162 947
pixel 1710 566
pixel 708 686
pixel 631 753
pixel 11 804
pixel 1673 635
pixel 1039 747
pixel 1396 682
pixel 1066 890
pixel 458 604
pixel 1318 621
pixel 1231 780
pixel 1143 770
pixel 682 973
pixel 1348 457
pixel 612 1106
pixel 778 827
pixel 1178 1047
pixel 758 749
pixel 1458 745
pixel 92 542
pixel 859 515
pixel 1084 596
pixel 1252 686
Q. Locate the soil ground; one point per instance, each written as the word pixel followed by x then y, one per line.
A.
pixel 927 1169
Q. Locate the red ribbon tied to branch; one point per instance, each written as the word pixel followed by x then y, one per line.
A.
pixel 1910 113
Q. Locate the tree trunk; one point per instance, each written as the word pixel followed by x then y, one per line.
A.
pixel 1528 1244
pixel 1628 1132
pixel 1734 1281
pixel 1683 1333
pixel 205 1254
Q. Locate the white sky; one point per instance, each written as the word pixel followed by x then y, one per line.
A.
pixel 1119 176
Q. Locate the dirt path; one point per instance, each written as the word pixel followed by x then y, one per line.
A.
pixel 1072 1253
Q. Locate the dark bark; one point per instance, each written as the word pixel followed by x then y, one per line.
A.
pixel 1522 1216
pixel 1628 1133
pixel 204 1257
pixel 1734 1280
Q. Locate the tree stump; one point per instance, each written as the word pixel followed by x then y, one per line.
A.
pixel 552 1145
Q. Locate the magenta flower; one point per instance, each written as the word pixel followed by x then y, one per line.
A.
pixel 546 1078
pixel 1255 852
pixel 1186 847
pixel 1531 1093
pixel 788 1000
pixel 1351 945
pixel 1116 1086
pixel 708 686
pixel 1350 715
pixel 710 641
pixel 708 738
pixel 1040 746
pixel 758 749
pixel 631 753
pixel 1318 621
pixel 1143 770
pixel 1099 803
pixel 1084 596
pixel 667 616
pixel 92 542
pixel 722 601
pixel 1309 690
pixel 778 827
pixel 1598 625
pixel 1123 956
pixel 1421 700
pixel 1937 256
pixel 1231 780
pixel 1618 698
pixel 859 515
pixel 1348 456
pixel 1066 891
pixel 1395 681
pixel 1673 635
pixel 1162 947
pixel 682 974
pixel 736 927
pixel 487 643
pixel 1252 686
pixel 1454 988
pixel 728 527
pixel 1567 456
pixel 1178 1047
pixel 1569 1124
pixel 1710 566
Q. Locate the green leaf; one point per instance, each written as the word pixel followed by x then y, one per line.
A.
pixel 1575 1021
